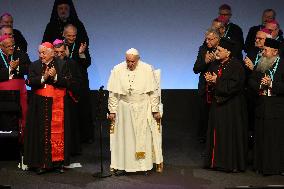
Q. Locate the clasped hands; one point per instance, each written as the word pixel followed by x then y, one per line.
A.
pixel 49 72
pixel 266 80
pixel 14 64
pixel 210 57
pixel 210 77
pixel 82 48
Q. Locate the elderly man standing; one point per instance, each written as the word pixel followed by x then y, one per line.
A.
pixel 204 62
pixel 227 125
pixel 254 54
pixel 78 51
pixel 45 134
pixel 268 84
pixel 267 15
pixel 133 103
pixel 14 65
pixel 74 81
pixel 233 31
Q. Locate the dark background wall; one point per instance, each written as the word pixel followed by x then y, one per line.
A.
pixel 167 32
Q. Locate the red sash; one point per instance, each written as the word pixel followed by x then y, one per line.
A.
pixel 57 120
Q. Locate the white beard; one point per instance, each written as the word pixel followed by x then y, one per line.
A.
pixel 265 64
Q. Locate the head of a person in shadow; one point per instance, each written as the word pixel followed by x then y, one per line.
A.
pixel 63 10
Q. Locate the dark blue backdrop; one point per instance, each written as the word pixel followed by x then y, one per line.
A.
pixel 167 32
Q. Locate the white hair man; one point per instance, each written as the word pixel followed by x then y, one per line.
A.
pixel 268 84
pixel 133 104
pixel 14 66
pixel 44 144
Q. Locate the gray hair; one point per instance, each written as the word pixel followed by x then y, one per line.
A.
pixel 5 27
pixel 70 26
pixel 48 49
pixel 213 31
pixel 270 10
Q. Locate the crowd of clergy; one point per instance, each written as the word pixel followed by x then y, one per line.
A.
pixel 241 97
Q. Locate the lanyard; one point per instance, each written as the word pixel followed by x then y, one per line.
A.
pixel 4 59
pixel 272 72
pixel 73 47
pixel 226 33
pixel 277 38
pixel 257 58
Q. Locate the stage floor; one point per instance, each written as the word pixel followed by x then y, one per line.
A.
pixel 182 168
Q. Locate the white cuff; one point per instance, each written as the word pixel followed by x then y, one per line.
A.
pixel 82 55
pixel 10 75
pixel 42 80
pixel 55 78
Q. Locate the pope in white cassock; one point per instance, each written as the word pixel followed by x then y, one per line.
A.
pixel 134 101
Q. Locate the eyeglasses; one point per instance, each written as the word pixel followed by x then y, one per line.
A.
pixel 10 46
pixel 272 30
pixel 259 38
pixel 210 39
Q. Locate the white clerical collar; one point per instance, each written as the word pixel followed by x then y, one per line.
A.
pixel 48 62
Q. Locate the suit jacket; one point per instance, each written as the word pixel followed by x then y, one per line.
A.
pixel 235 33
pixel 36 72
pixel 200 67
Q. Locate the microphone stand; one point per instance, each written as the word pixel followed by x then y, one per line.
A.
pixel 101 117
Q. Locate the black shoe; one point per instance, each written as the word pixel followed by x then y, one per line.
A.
pixel 119 173
pixel 235 171
pixel 40 171
pixel 60 170
pixel 146 173
pixel 282 174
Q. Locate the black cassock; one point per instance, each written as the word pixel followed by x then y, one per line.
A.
pixel 227 126
pixel 72 125
pixel 20 41
pixel 24 62
pixel 37 142
pixel 235 33
pixel 54 28
pixel 200 67
pixel 254 54
pixel 269 119
pixel 84 105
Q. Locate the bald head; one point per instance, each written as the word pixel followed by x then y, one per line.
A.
pixel 70 33
pixel 260 39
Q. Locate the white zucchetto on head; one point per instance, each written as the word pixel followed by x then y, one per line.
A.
pixel 132 51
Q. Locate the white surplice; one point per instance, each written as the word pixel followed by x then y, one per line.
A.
pixel 133 96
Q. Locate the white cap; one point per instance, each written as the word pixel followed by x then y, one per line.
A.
pixel 132 51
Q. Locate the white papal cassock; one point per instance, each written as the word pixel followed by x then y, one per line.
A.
pixel 133 96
